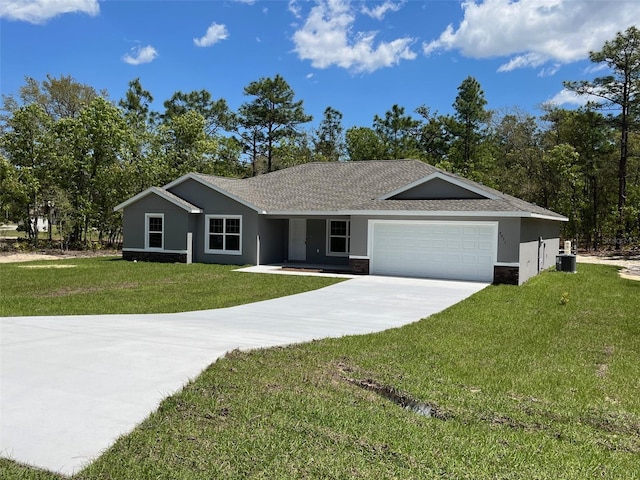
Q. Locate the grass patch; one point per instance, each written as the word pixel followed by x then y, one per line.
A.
pixel 111 285
pixel 517 374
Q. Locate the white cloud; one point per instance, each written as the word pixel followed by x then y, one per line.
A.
pixel 39 11
pixel 381 10
pixel 327 39
pixel 549 71
pixel 534 32
pixel 294 8
pixel 138 55
pixel 215 33
pixel 567 97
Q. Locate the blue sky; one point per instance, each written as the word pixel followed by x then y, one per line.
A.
pixel 359 57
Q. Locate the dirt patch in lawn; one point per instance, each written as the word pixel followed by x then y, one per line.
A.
pixel 630 263
pixel 53 265
pixel 10 257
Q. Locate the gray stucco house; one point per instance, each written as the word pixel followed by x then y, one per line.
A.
pixel 391 217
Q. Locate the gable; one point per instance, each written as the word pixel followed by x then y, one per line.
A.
pixel 156 194
pixel 437 189
pixel 210 197
pixel 439 186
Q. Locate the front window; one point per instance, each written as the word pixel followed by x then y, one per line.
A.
pixel 154 231
pixel 223 234
pixel 339 237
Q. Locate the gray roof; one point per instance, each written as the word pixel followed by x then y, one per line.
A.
pixel 358 186
pixel 166 194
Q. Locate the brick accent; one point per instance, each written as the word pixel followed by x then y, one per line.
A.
pixel 506 275
pixel 164 257
pixel 359 266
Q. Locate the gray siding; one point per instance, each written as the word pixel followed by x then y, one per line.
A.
pixel 214 203
pixel 177 222
pixel 530 248
pixel 317 243
pixel 273 240
pixel 436 189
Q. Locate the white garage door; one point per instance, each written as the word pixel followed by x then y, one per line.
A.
pixel 451 250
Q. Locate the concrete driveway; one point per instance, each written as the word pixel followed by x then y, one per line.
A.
pixel 70 386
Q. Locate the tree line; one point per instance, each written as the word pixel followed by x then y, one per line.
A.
pixel 69 154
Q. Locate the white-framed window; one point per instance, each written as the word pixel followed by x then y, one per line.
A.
pixel 338 237
pixel 223 234
pixel 154 231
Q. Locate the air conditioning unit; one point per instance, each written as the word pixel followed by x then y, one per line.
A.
pixel 566 263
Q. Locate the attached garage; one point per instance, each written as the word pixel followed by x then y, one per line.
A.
pixel 434 249
pixel 383 217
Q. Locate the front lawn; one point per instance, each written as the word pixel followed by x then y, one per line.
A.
pixel 111 285
pixel 540 381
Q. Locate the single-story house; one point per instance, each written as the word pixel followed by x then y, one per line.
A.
pixel 390 217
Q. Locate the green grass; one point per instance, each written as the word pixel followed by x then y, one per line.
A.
pixel 111 285
pixel 540 381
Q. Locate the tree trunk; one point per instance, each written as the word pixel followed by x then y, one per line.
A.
pixel 622 168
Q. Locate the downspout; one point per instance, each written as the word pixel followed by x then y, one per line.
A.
pixel 258 249
pixel 541 247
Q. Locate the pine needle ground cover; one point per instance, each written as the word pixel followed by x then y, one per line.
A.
pixel 540 381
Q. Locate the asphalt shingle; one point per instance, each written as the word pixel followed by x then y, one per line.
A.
pixel 358 186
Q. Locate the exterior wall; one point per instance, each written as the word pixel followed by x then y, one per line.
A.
pixel 537 254
pixel 273 240
pixel 214 203
pixel 317 243
pixel 177 223
pixel 436 188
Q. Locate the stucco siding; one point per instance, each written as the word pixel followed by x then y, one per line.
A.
pixel 249 232
pixel 509 240
pixel 317 243
pixel 539 246
pixel 214 203
pixel 176 223
pixel 273 235
pixel 207 199
pixel 359 231
pixel 436 188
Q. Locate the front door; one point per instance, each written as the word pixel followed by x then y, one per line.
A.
pixel 297 239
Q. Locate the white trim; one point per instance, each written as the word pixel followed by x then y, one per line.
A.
pixel 548 217
pixel 189 247
pixel 328 236
pixel 147 217
pixel 442 176
pixel 161 193
pixel 507 264
pixel 153 250
pixel 216 188
pixel 224 234
pixel 415 213
pixel 258 249
pixel 359 257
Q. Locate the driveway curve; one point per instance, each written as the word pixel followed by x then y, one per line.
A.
pixel 71 385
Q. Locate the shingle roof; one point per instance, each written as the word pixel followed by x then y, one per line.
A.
pixel 166 194
pixel 358 186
